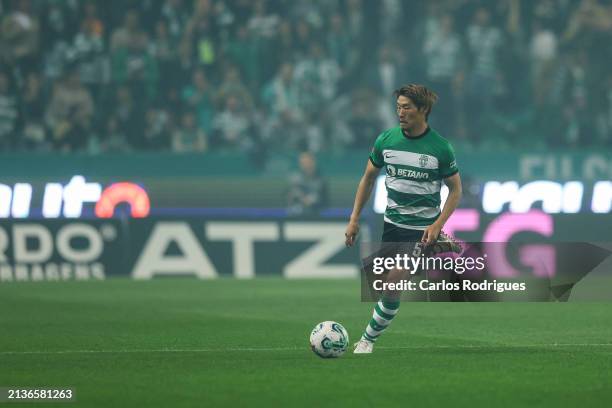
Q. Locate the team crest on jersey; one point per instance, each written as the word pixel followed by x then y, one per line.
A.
pixel 423 160
pixel 391 170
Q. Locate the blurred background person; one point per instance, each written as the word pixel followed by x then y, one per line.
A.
pixel 308 190
pixel 484 42
pixel 444 55
pixel 20 36
pixel 188 137
pixel 70 112
pixel 35 136
pixel 9 111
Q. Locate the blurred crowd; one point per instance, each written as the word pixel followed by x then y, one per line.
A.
pixel 269 75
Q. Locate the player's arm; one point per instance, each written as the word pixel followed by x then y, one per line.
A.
pixel 454 196
pixel 366 184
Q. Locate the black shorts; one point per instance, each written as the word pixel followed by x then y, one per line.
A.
pixel 395 241
pixel 393 233
pixel 400 241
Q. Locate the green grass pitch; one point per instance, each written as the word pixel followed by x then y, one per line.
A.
pixel 184 342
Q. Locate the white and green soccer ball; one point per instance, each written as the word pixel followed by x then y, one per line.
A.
pixel 329 339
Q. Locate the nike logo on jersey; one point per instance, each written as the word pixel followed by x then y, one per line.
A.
pixel 388 155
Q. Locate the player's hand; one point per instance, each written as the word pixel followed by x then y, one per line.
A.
pixel 431 234
pixel 352 230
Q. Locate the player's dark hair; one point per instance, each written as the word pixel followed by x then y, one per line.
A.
pixel 422 97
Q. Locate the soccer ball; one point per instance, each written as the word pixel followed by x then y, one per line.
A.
pixel 329 339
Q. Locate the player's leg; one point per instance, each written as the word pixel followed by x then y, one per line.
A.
pixel 387 307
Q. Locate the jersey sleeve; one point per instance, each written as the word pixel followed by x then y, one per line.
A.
pixel 448 162
pixel 376 154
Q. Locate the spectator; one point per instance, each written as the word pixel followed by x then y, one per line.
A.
pixel 384 76
pixel 55 60
pixel 484 43
pixel 189 138
pixel 131 62
pixel 317 77
pixel 9 112
pixel 364 120
pixel 70 112
pixel 87 51
pixel 34 102
pixel 19 39
pixel 571 95
pixel 576 123
pixel 605 118
pixel 543 50
pixel 173 101
pixel 391 18
pixel 280 95
pixel 310 134
pixel 590 17
pixel 263 25
pixel 59 23
pixel 444 70
pixel 198 96
pixel 156 134
pixel 129 116
pixel 232 85
pixel 311 12
pixel 225 19
pixel 92 19
pixel 303 39
pixel 355 19
pixel 174 13
pixel 113 140
pixel 284 46
pixel 283 132
pixel 339 42
pixel 244 52
pixel 283 128
pixel 183 68
pixel 308 191
pixel 243 9
pixel 130 35
pixel 164 49
pixel 201 33
pixel 233 126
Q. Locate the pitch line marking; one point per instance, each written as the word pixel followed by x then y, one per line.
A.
pixel 213 350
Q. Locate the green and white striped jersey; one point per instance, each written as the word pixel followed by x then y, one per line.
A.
pixel 415 169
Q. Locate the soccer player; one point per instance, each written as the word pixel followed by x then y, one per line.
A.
pixel 417 159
